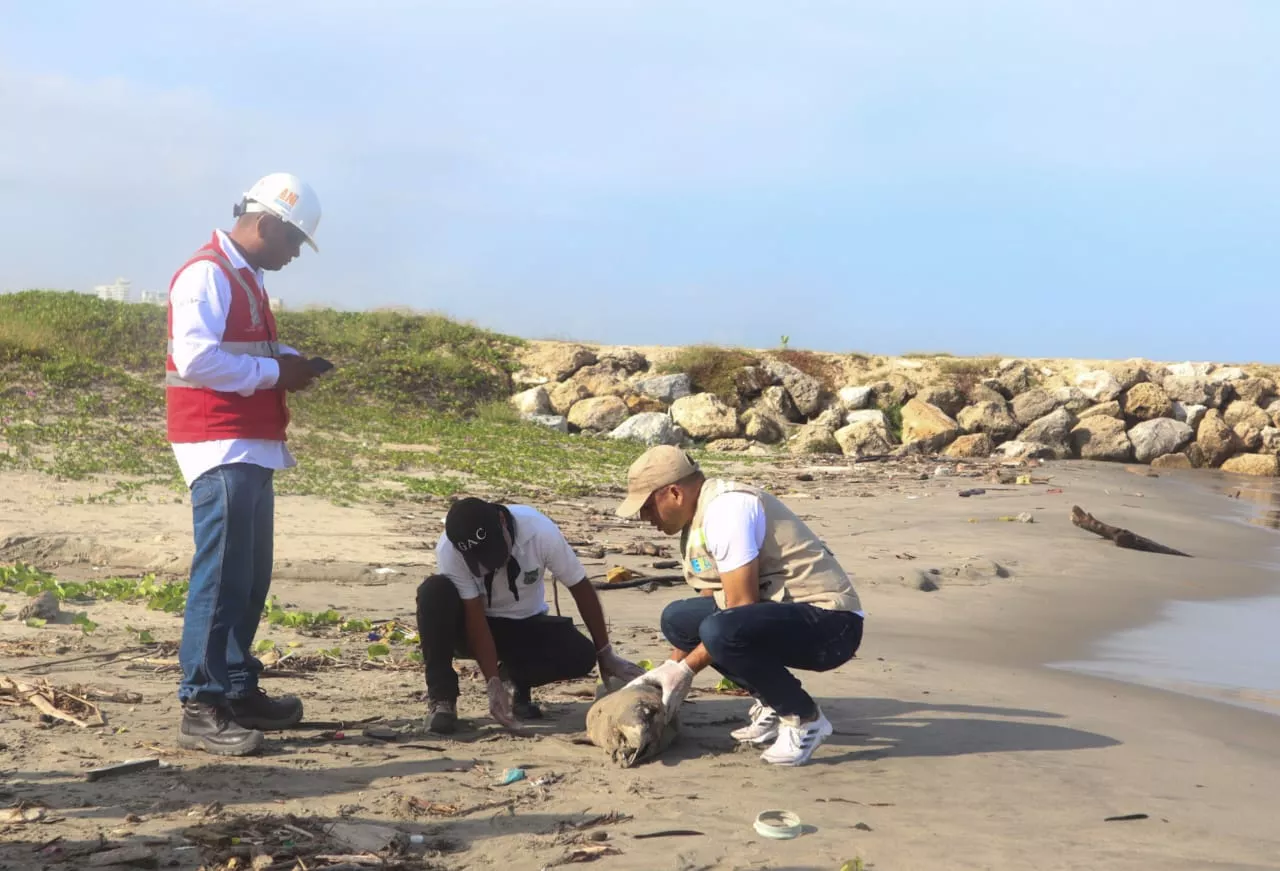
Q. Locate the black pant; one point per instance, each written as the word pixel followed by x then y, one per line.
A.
pixel 536 650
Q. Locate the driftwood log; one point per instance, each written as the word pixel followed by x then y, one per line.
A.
pixel 643 580
pixel 1121 537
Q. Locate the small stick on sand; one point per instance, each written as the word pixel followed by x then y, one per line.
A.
pixel 1122 537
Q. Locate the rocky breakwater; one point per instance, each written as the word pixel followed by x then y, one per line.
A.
pixel 1180 415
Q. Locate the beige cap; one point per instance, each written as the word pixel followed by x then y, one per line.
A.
pixel 656 467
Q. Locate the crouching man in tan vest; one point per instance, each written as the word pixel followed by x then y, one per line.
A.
pixel 772 598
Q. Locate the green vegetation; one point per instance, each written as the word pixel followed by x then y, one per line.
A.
pixel 893 414
pixel 416 408
pixel 982 366
pixel 711 369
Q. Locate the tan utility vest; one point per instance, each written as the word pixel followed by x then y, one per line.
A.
pixel 795 566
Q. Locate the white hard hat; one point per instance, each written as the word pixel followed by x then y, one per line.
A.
pixel 289 198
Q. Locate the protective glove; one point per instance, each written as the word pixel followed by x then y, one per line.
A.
pixel 612 665
pixel 500 703
pixel 673 678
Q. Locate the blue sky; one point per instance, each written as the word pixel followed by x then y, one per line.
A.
pixel 1022 178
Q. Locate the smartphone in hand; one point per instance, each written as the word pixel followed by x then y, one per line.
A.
pixel 320 364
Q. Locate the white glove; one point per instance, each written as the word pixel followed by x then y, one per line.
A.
pixel 612 665
pixel 500 703
pixel 673 678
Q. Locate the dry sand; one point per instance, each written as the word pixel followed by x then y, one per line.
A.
pixel 955 748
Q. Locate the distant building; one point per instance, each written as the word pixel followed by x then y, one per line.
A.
pixel 120 291
pixel 154 297
pixel 276 303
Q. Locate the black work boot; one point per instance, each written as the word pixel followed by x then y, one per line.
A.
pixel 442 716
pixel 211 728
pixel 260 711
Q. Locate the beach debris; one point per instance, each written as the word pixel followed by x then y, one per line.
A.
pixel 972 491
pixel 52 702
pixel 779 825
pixel 646 548
pixel 632 579
pixel 591 551
pixel 666 564
pixel 512 775
pixel 1121 537
pixel 363 837
pixel 137 857
pixel 632 725
pixel 128 767
pixel 1126 818
pixel 585 853
pixel 669 833
pixel 1023 517
pixel 22 813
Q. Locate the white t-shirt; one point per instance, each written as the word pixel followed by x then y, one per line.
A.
pixel 516 591
pixel 734 526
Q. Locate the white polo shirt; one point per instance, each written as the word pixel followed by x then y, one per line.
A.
pixel 516 591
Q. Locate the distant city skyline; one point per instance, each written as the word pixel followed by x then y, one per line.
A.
pixel 1054 178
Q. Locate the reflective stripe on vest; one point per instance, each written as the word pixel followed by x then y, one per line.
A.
pixel 255 312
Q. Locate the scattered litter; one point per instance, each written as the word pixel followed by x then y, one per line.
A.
pixel 127 767
pixel 618 574
pixel 512 775
pixel 863 827
pixel 973 491
pixel 23 813
pixel 669 833
pixel 1054 491
pixel 1126 818
pixel 778 824
pixel 666 564
pixel 364 837
pixel 1023 479
pixel 1024 517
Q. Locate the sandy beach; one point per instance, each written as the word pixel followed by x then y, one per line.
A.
pixel 955 747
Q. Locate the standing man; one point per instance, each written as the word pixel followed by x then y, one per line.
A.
pixel 226 377
pixel 772 598
pixel 488 603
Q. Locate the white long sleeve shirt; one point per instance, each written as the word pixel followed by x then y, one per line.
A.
pixel 200 299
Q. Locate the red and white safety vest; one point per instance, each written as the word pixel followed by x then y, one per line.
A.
pixel 198 414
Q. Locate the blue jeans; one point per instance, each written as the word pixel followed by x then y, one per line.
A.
pixel 754 645
pixel 233 512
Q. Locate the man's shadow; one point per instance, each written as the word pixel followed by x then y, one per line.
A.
pixel 876 728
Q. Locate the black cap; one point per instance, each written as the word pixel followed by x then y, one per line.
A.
pixel 474 527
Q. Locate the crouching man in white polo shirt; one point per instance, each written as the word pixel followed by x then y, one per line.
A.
pixel 488 603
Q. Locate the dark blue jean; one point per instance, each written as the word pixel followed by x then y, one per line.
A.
pixel 233 514
pixel 754 645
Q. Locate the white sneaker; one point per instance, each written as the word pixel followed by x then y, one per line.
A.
pixel 797 741
pixel 763 727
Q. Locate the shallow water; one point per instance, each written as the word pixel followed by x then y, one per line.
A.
pixel 1222 650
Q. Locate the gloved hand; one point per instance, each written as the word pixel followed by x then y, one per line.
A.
pixel 612 665
pixel 500 703
pixel 673 678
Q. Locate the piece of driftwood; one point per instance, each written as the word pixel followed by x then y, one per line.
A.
pixel 53 702
pixel 643 580
pixel 1121 537
pixel 631 725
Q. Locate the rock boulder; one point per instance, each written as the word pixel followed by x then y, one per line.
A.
pixel 1101 438
pixel 649 428
pixel 705 416
pixel 598 414
pixel 1154 438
